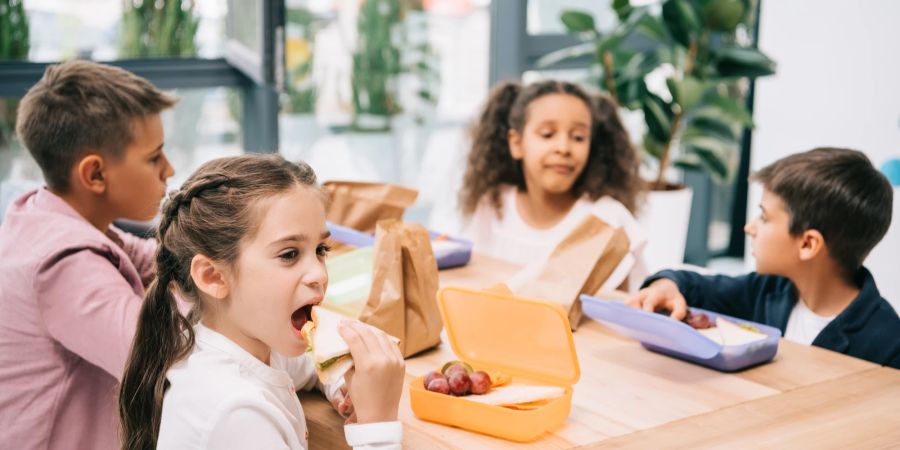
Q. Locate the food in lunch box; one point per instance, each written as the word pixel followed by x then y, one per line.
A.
pixel 461 380
pixel 729 333
pixel 480 382
pixel 697 321
pixel 460 383
pixel 329 350
pixel 439 385
pixel 519 394
pixel 454 366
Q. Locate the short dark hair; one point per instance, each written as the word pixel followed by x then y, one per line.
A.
pixel 837 192
pixel 81 106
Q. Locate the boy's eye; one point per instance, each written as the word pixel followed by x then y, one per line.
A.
pixel 156 159
pixel 289 255
pixel 580 138
pixel 323 249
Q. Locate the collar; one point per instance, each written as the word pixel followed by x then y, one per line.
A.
pixel 854 317
pixel 208 338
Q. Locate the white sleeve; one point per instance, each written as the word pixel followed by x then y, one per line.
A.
pixel 372 436
pixel 248 427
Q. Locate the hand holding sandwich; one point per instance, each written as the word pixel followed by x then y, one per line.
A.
pixel 377 381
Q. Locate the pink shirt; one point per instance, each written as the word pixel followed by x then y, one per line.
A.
pixel 69 302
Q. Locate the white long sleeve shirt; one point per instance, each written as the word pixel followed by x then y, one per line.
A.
pixel 221 397
pixel 508 237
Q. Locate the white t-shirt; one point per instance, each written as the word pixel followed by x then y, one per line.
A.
pixel 511 239
pixel 804 325
pixel 222 397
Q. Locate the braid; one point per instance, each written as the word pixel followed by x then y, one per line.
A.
pixel 227 190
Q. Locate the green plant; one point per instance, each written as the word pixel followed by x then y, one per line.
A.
pixel 376 61
pixel 158 28
pixel 696 120
pixel 13 46
pixel 384 52
pixel 300 90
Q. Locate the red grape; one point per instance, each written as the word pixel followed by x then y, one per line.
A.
pixel 439 385
pixel 459 383
pixel 434 374
pixel 481 382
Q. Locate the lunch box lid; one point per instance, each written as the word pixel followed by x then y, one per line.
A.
pixel 516 335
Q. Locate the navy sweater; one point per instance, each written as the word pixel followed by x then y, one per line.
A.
pixel 868 328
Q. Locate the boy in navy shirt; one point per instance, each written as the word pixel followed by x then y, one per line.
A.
pixel 822 211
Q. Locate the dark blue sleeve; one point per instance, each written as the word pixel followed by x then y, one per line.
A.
pixel 733 296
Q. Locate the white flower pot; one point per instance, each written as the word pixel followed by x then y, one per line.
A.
pixel 664 218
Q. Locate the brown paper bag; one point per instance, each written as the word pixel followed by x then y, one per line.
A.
pixel 361 205
pixel 579 264
pixel 403 297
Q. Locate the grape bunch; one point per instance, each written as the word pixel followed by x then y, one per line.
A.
pixel 458 379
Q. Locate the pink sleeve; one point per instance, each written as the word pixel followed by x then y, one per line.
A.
pixel 89 308
pixel 142 253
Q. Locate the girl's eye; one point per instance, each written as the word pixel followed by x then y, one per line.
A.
pixel 289 255
pixel 323 249
pixel 580 138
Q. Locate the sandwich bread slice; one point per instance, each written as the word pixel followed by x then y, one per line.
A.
pixel 330 352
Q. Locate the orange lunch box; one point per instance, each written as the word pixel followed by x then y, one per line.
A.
pixel 528 339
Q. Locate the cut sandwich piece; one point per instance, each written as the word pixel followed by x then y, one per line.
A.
pixel 728 333
pixel 734 334
pixel 330 352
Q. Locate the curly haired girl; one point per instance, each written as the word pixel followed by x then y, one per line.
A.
pixel 543 157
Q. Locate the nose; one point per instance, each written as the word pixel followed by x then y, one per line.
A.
pixel 564 144
pixel 750 229
pixel 168 171
pixel 316 276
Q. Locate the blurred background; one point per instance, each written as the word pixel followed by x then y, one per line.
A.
pixel 385 90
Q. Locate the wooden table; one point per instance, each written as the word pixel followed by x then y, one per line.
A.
pixel 630 397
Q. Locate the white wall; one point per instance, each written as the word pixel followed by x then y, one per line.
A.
pixel 838 84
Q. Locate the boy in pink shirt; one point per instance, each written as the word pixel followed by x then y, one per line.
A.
pixel 71 284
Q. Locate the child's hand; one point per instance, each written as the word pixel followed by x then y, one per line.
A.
pixel 662 294
pixel 342 402
pixel 377 379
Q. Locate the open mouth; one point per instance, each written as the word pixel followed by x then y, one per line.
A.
pixel 301 316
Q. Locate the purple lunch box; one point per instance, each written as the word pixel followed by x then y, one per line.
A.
pixel 456 257
pixel 664 335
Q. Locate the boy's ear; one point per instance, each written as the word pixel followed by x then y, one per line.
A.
pixel 90 172
pixel 208 277
pixel 515 144
pixel 812 243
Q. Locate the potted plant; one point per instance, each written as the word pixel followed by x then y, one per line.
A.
pixel 297 122
pixel 166 29
pixel 695 118
pixel 14 44
pixel 390 49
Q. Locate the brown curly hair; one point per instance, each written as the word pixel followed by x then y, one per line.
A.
pixel 611 169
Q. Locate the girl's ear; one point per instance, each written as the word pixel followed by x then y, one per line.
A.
pixel 812 243
pixel 90 172
pixel 515 144
pixel 208 277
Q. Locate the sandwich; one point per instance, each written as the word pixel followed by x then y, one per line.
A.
pixel 728 333
pixel 330 352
